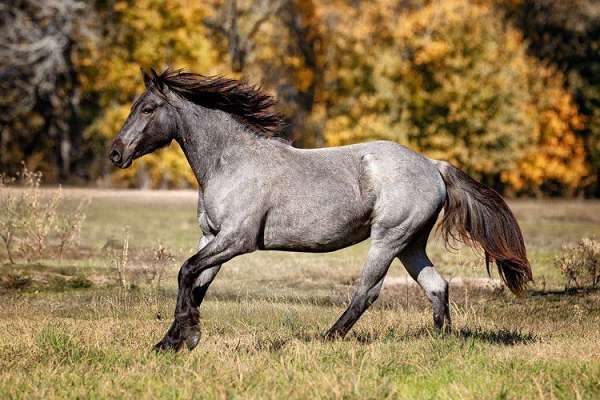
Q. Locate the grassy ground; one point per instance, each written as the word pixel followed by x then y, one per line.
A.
pixel 67 331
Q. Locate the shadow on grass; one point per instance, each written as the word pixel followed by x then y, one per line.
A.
pixel 504 337
pixel 276 343
pixel 337 300
pixel 565 292
pixel 57 279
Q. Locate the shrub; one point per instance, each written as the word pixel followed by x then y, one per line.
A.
pixel 580 264
pixel 118 258
pixel 39 214
pixel 10 212
pixel 30 217
pixel 68 226
pixel 136 267
pixel 162 257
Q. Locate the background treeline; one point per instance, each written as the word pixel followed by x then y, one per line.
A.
pixel 509 90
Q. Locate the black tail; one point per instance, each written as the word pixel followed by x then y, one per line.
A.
pixel 477 215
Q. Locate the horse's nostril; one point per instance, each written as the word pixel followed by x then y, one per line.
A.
pixel 115 156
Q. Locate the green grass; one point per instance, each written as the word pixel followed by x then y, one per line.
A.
pixel 264 315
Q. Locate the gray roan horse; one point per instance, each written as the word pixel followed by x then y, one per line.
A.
pixel 260 193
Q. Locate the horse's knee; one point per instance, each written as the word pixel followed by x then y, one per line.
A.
pixel 202 282
pixel 186 276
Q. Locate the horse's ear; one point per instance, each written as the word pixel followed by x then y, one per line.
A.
pixel 155 78
pixel 146 77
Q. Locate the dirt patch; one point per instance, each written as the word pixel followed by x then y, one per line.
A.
pixel 132 194
pixel 455 282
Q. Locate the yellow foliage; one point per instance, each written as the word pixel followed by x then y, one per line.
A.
pixel 149 33
pixel 451 79
pixel 556 160
pixel 448 78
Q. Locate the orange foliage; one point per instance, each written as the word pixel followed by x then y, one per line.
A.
pixel 451 79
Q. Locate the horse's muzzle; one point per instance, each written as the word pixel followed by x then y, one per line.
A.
pixel 117 155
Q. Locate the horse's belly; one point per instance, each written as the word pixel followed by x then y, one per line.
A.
pixel 315 231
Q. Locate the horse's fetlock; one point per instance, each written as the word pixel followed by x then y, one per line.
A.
pixel 184 318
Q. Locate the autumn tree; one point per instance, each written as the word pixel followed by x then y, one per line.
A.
pixel 237 25
pixel 249 36
pixel 277 43
pixel 150 34
pixel 567 34
pixel 452 80
pixel 497 93
pixel 41 101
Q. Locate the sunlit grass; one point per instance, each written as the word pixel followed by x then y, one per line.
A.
pixel 263 318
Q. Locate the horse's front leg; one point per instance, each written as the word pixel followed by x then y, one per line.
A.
pixel 195 276
pixel 189 333
pixel 199 289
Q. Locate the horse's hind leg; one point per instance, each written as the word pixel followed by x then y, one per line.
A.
pixel 380 256
pixel 421 269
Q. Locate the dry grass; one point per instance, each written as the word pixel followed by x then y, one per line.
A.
pixel 31 218
pixel 263 317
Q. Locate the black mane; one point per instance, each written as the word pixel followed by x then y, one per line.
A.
pixel 249 104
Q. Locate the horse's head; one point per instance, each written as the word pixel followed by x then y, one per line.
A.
pixel 151 124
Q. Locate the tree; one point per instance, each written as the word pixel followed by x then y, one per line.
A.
pixel 147 33
pixel 238 27
pixel 452 80
pixel 303 64
pixel 40 107
pixel 567 34
pixel 555 161
pixel 277 42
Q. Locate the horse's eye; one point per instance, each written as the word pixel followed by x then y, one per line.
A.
pixel 147 110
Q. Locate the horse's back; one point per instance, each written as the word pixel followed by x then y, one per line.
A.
pixel 330 198
pixel 316 202
pixel 382 167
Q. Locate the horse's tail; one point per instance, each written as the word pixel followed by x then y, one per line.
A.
pixel 477 215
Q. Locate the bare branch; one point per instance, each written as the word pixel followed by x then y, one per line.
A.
pixel 239 41
pixel 268 8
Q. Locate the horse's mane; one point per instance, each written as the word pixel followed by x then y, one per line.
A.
pixel 248 104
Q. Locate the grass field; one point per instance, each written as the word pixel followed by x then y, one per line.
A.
pixel 67 330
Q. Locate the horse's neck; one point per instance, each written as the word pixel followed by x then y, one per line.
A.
pixel 205 136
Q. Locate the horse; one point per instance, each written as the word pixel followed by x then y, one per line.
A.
pixel 260 193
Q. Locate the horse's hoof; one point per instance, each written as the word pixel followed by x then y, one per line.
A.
pixel 160 347
pixel 330 336
pixel 192 336
pixel 445 330
pixel 192 341
pixel 167 345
